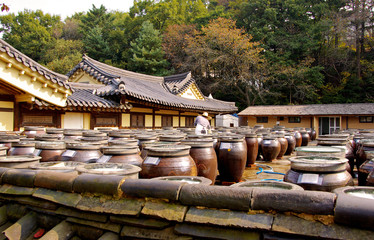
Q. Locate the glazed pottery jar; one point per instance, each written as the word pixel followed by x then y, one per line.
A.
pixel 31 131
pixel 252 148
pixel 232 157
pixel 284 145
pixel 72 134
pixel 304 138
pixel 205 157
pixel 268 184
pixel 22 148
pixel 128 171
pixel 168 160
pixel 18 161
pixel 81 152
pixel 365 169
pixel 121 154
pixel 298 138
pixel 270 148
pixel 319 173
pixel 49 151
pixel 291 141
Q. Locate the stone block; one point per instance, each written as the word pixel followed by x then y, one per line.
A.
pixel 19 177
pixel 99 184
pixel 311 202
pixel 113 227
pixel 62 231
pixel 15 190
pixel 63 198
pixel 112 206
pixel 229 218
pixel 145 222
pixel 62 181
pixel 168 211
pixel 144 233
pixel 354 211
pixel 216 197
pixel 298 226
pixel 211 232
pixel 72 212
pixel 142 188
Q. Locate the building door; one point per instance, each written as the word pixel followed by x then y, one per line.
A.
pixel 328 125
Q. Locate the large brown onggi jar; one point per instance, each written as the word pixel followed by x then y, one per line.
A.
pixel 370 179
pixel 205 157
pixel 72 134
pixel 270 148
pixel 232 157
pixel 49 151
pixel 365 169
pixel 319 173
pixel 364 147
pixel 31 131
pixel 168 160
pixel 291 140
pixel 252 148
pixel 304 138
pixel 57 131
pixel 145 138
pixel 117 135
pixel 284 145
pixel 48 137
pixel 22 148
pixel 81 152
pixel 298 138
pixel 121 154
pixel 7 140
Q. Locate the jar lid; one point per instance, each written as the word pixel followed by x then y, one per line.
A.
pixel 93 133
pixel 54 130
pixel 51 145
pixel 23 144
pixel 231 138
pixel 119 150
pixel 168 150
pixel 318 163
pixel 82 146
pixel 198 143
pixel 109 169
pixel 32 128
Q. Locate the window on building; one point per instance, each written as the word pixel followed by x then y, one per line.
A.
pixel 262 119
pixel 137 120
pixel 190 121
pixel 294 119
pixel 280 118
pixel 167 121
pixel 366 119
pixel 105 120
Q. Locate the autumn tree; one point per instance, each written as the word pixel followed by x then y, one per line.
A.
pixel 223 55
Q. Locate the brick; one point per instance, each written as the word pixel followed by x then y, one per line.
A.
pixel 211 232
pixel 113 206
pixel 229 218
pixel 299 226
pixel 63 198
pixel 168 211
pixel 145 222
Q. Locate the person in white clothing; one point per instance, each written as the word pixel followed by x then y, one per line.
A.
pixel 202 124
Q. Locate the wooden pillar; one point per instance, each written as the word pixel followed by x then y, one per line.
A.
pixel 17 116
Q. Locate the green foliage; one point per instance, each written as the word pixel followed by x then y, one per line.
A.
pixel 147 52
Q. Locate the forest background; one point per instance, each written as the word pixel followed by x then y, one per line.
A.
pixel 249 51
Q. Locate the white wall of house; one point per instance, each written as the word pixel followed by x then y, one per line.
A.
pixel 73 120
pixel 227 120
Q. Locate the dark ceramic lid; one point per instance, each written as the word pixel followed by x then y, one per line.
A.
pixel 120 134
pixel 59 165
pixel 186 179
pixel 83 146
pixel 251 135
pixel 171 138
pixel 32 128
pixel 55 145
pixel 94 133
pixel 73 132
pixel 24 144
pixel 124 142
pixel 198 143
pixel 109 169
pixel 47 137
pixel 318 163
pixel 54 130
pixel 19 158
pixel 231 138
pixel 268 184
pixel 146 137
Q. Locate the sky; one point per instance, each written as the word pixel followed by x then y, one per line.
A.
pixel 66 8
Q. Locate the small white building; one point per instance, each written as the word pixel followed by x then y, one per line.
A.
pixel 227 120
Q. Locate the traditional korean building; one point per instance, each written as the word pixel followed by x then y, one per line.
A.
pixel 325 118
pixel 95 94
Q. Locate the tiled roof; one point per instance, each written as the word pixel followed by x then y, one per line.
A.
pixel 157 90
pixel 33 65
pixel 311 110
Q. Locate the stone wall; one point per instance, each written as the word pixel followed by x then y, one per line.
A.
pixel 68 205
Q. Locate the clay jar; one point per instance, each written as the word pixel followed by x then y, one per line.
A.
pixel 31 132
pixel 121 154
pixel 7 140
pixel 298 138
pixel 72 134
pixel 370 179
pixel 252 148
pixel 284 145
pixel 291 140
pixel 81 152
pixel 168 160
pixel 318 173
pixel 232 157
pixel 205 157
pixel 22 148
pixel 57 131
pixel 365 169
pixel 364 147
pixel 117 135
pixel 259 140
pixel 145 138
pixel 49 151
pixel 304 138
pixel 270 148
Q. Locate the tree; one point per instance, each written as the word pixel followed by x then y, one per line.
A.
pixel 29 31
pixel 222 55
pixel 147 53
